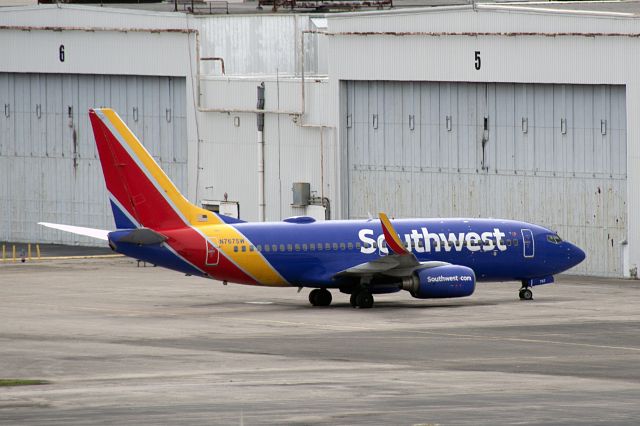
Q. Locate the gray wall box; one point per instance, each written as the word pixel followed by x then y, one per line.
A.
pixel 301 194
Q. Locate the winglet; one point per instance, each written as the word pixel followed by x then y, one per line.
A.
pixel 391 236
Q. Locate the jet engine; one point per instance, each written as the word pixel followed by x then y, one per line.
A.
pixel 441 282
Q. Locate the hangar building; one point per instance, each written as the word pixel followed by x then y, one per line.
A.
pixel 515 111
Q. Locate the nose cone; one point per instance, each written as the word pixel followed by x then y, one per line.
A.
pixel 575 255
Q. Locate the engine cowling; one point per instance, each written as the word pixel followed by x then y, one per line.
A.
pixel 441 282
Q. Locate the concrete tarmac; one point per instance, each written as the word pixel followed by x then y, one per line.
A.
pixel 123 344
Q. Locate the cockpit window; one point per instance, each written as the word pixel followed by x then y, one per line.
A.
pixel 554 239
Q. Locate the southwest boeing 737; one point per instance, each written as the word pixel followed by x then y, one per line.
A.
pixel 429 258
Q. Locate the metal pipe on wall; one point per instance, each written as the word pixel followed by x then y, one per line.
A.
pixel 260 125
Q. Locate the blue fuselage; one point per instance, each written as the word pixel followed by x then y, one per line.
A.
pixel 497 250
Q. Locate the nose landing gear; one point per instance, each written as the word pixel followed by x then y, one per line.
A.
pixel 525 294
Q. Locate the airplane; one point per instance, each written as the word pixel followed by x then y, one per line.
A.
pixel 429 258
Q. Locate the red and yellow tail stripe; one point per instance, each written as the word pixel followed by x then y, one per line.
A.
pixel 146 193
pixel 129 149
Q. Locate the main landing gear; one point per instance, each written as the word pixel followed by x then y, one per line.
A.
pixel 525 294
pixel 320 297
pixel 362 299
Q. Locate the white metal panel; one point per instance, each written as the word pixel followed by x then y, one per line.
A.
pixel 546 174
pixel 48 162
pixel 281 95
pixel 90 16
pixel 293 153
pixel 261 44
pixel 482 18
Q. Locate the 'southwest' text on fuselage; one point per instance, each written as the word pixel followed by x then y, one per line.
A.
pixel 424 242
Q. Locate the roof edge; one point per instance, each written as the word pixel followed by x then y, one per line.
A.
pixel 93 8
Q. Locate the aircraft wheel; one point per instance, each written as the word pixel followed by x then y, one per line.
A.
pixel 313 297
pixel 320 297
pixel 324 297
pixel 526 294
pixel 353 299
pixel 364 300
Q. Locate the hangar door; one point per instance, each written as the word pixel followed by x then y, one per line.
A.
pixel 49 168
pixel 554 155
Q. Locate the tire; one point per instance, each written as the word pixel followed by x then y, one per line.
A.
pixel 353 300
pixel 320 297
pixel 364 300
pixel 314 297
pixel 527 294
pixel 324 298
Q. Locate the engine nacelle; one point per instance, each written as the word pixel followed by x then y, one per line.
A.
pixel 441 282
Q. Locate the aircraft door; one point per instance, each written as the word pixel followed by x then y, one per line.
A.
pixel 213 255
pixel 528 243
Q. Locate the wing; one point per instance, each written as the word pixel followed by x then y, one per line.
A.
pixel 400 263
pixel 100 234
pixel 392 265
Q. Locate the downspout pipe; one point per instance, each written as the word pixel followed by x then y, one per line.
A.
pixel 260 125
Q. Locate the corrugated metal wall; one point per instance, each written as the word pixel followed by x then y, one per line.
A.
pixel 229 157
pixel 552 154
pixel 261 45
pixel 49 170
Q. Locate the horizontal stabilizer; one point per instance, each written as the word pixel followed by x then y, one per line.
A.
pixel 100 234
pixel 142 236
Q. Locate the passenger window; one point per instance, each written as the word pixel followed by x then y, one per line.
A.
pixel 235 248
pixel 244 248
pixel 515 243
pixel 297 247
pixel 350 246
pixel 327 246
pixel 289 247
pixel 375 245
pixel 251 248
pixel 319 246
pixel 282 247
pixel 335 246
pixel 508 243
pixel 304 247
pixel 266 248
pixel 259 247
pixel 312 246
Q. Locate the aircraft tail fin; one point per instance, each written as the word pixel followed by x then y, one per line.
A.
pixel 141 194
